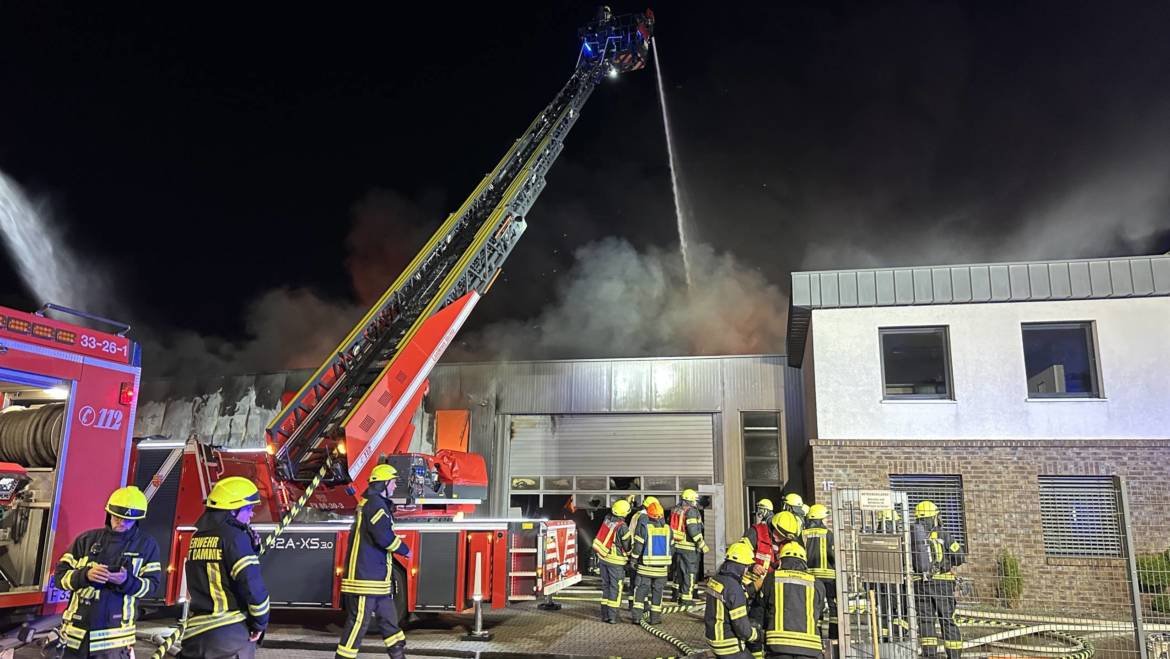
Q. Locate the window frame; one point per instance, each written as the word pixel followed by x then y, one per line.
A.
pixel 947 369
pixel 1091 342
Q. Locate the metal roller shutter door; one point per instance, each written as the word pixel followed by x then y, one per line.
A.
pixel 612 444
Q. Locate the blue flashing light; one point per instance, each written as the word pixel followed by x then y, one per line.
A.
pixel 585 46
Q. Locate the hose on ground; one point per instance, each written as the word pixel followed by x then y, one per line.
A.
pixel 285 521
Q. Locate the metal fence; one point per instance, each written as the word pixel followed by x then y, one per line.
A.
pixel 1051 573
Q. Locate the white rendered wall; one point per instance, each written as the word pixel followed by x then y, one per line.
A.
pixel 989 382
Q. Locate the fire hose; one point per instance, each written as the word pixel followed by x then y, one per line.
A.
pixel 169 641
pixel 678 643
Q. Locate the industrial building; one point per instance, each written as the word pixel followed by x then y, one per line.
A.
pixel 1029 400
pixel 586 430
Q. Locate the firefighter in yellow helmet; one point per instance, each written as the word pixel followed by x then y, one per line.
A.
pixel 651 555
pixel 366 584
pixel 228 599
pixel 612 546
pixel 935 554
pixel 818 541
pixel 766 541
pixel 794 504
pixel 686 528
pixel 793 604
pixel 107 571
pixel 763 511
pixel 728 628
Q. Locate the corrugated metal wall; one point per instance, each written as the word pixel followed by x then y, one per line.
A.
pixel 605 444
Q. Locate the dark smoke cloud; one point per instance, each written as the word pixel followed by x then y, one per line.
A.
pixel 621 302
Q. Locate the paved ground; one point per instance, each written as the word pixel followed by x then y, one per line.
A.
pixel 522 630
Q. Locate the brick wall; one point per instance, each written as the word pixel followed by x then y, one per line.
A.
pixel 1001 501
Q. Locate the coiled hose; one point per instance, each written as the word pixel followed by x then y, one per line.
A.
pixel 30 437
pixel 173 637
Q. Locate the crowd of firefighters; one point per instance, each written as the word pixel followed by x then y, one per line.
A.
pixel 108 570
pixel 775 593
pixel 768 598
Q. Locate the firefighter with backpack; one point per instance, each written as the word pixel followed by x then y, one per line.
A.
pixel 686 530
pixel 650 556
pixel 612 546
pixel 935 555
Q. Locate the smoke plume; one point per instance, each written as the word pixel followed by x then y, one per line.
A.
pixel 617 301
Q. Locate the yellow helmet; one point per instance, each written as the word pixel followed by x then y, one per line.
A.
pixel 766 504
pixel 925 509
pixel 818 511
pixel 793 550
pixel 741 552
pixel 787 524
pixel 383 473
pixel 621 507
pixel 127 503
pixel 649 500
pixel 233 493
pixel 793 500
pixel 690 496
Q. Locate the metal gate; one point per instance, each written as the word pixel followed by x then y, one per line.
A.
pixel 875 603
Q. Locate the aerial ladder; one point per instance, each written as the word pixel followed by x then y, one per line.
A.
pixel 357 405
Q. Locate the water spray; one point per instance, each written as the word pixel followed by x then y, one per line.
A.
pixel 678 210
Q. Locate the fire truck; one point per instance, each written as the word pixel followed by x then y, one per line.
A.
pixel 355 411
pixel 67 404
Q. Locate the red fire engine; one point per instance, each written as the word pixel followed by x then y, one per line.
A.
pixel 67 403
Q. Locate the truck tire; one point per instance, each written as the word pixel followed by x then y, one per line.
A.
pixel 400 594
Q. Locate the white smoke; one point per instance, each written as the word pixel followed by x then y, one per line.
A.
pixel 619 302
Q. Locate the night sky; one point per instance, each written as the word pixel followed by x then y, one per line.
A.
pixel 240 181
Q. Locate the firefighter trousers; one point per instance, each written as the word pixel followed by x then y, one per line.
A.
pixel 227 642
pixel 358 610
pixel 935 601
pixel 84 653
pixel 612 577
pixel 686 571
pixel 648 586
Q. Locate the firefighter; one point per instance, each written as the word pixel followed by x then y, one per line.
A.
pixel 936 553
pixel 766 541
pixel 107 571
pixel 728 627
pixel 795 505
pixel 641 512
pixel 818 543
pixel 650 556
pixel 612 546
pixel 763 513
pixel 793 604
pixel 686 529
pixel 366 586
pixel 228 600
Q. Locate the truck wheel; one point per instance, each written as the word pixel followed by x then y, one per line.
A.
pixel 399 586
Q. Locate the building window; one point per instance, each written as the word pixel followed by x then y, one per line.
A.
pixel 915 362
pixel 1060 360
pixel 946 491
pixel 1081 516
pixel 761 458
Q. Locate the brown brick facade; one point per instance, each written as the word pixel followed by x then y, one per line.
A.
pixel 1001 503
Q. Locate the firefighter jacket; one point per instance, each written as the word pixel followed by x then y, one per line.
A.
pixel 944 552
pixel 728 626
pixel 372 540
pixel 613 541
pixel 223 576
pixel 686 528
pixel 106 612
pixel 792 607
pixel 818 541
pixel 653 546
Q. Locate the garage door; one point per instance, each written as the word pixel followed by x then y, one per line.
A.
pixel 598 458
pixel 604 444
